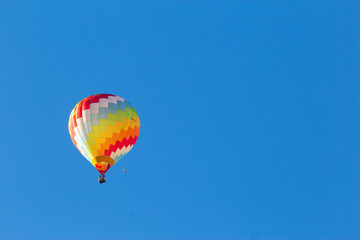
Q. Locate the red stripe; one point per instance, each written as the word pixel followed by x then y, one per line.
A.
pixel 106 95
pixel 95 98
pixel 120 145
pixel 87 102
pixel 79 109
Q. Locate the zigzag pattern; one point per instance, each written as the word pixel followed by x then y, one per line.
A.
pixel 104 125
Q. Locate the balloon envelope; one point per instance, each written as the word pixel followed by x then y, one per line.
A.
pixel 104 128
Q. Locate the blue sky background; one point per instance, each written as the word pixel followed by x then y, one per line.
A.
pixel 250 119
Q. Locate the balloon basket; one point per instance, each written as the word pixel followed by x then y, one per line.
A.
pixel 102 179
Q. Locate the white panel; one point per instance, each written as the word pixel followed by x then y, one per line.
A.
pixel 103 102
pixel 77 138
pixel 86 115
pixel 124 150
pixel 94 108
pixel 112 99
pixel 119 99
pixel 82 129
pixel 87 120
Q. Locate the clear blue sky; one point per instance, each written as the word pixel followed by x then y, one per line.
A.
pixel 250 119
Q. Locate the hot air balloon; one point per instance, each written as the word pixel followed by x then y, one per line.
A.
pixel 104 128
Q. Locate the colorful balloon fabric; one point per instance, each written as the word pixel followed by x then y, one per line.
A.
pixel 104 128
